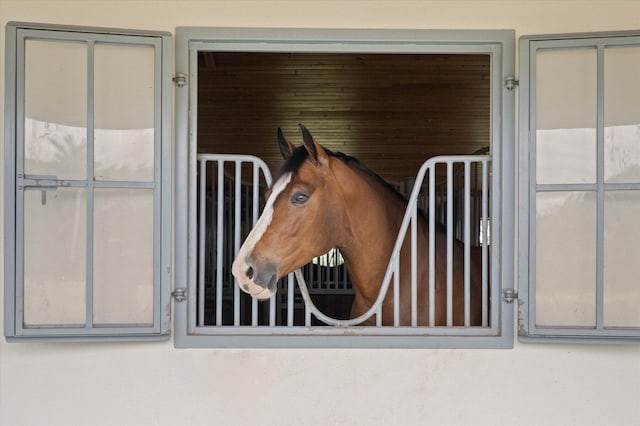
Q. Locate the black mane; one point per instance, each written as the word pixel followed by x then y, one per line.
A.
pixel 293 164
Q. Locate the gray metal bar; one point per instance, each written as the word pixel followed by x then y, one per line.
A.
pixel 485 243
pixel 449 243
pixel 272 311
pixel 396 292
pixel 608 186
pixel 12 208
pixel 532 188
pixel 467 244
pixel 600 192
pixel 161 313
pixel 254 312
pixel 201 241
pixel 348 332
pixel 124 184
pixel 336 277
pixel 255 187
pixel 432 245
pixel 414 267
pixel 90 185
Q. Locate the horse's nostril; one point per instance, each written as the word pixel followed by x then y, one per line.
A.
pixel 250 272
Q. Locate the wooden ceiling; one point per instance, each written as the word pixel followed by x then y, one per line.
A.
pixel 392 111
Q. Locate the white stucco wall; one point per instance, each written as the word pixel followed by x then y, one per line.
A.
pixel 153 383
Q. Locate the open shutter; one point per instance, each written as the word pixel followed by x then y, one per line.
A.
pixel 87 184
pixel 580 187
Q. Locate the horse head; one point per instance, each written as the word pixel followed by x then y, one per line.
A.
pixel 301 220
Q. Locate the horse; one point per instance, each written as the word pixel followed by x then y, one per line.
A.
pixel 322 200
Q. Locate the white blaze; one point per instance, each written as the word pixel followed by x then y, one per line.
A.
pixel 240 265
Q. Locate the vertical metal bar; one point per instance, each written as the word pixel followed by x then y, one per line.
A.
pixel 474 203
pixel 236 239
pixel 290 294
pixel 531 190
pixel 90 182
pixel 163 184
pixel 336 276
pixel 255 187
pixel 432 245
pixel 219 239
pixel 14 255
pixel 307 316
pixel 272 311
pixel 201 241
pixel 414 267
pixel 600 190
pixel 379 317
pixel 485 243
pixel 467 244
pixel 396 292
pixel 254 312
pixel 449 243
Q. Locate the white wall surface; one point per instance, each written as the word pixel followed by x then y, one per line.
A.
pixel 153 383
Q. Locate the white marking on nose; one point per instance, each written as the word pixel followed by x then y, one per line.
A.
pixel 240 264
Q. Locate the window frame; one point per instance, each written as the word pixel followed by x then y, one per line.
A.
pixel 528 331
pixel 17 34
pixel 499 44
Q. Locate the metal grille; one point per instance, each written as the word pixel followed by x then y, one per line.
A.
pixel 230 189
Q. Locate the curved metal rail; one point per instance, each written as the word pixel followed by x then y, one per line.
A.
pixel 410 218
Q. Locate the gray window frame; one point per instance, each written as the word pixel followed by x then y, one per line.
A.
pixel 16 35
pixel 528 331
pixel 499 44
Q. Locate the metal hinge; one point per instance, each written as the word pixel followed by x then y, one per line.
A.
pixel 180 79
pixel 509 295
pixel 510 83
pixel 180 294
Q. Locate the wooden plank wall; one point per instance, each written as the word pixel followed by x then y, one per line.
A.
pixel 392 111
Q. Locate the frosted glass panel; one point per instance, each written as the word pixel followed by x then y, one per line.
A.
pixel 622 114
pixel 123 256
pixel 55 105
pixel 55 257
pixel 566 112
pixel 622 259
pixel 124 112
pixel 566 258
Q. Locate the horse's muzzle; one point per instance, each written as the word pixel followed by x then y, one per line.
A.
pixel 259 282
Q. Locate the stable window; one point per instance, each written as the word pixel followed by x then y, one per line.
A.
pixel 237 86
pixel 87 184
pixel 580 188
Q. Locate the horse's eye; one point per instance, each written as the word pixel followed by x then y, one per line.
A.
pixel 299 198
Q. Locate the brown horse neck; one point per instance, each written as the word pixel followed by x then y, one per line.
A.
pixel 374 215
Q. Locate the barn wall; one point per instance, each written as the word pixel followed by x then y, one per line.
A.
pixel 154 383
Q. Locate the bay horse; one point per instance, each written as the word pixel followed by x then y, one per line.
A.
pixel 322 200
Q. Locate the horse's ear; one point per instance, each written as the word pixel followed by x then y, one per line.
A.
pixel 317 154
pixel 286 147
